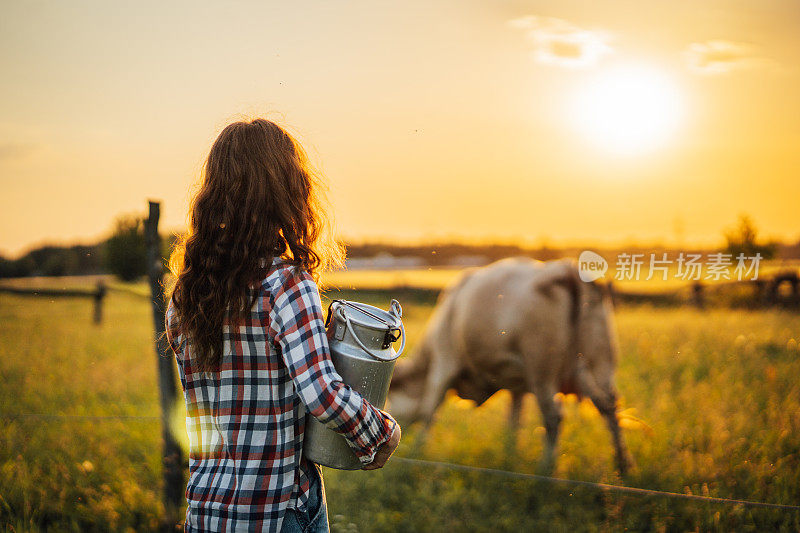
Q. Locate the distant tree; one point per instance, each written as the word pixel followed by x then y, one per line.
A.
pixel 125 252
pixel 88 258
pixel 744 239
pixel 16 268
pixel 60 262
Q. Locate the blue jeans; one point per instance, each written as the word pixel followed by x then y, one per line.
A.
pixel 315 518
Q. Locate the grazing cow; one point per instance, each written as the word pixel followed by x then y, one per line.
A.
pixel 520 325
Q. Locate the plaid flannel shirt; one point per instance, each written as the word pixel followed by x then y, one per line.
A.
pixel 246 422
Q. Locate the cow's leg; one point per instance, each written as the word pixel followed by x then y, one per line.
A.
pixel 606 403
pixel 552 415
pixel 514 413
pixel 609 411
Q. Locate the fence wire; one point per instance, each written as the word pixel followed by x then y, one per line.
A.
pixel 593 484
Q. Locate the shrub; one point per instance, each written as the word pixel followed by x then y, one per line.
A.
pixel 125 252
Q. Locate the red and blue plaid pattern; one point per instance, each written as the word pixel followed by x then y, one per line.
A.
pixel 246 422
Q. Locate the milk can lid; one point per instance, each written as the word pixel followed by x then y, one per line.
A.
pixel 367 315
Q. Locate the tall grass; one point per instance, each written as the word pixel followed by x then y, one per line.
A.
pixel 711 405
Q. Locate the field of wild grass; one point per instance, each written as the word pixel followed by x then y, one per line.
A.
pixel 710 405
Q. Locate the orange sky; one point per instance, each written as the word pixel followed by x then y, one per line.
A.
pixel 429 119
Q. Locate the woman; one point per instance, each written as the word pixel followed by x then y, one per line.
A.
pixel 246 324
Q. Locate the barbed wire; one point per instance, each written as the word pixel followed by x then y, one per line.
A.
pixel 593 484
pixel 73 417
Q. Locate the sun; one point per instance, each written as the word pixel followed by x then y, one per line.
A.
pixel 628 110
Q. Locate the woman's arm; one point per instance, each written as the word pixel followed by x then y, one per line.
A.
pixel 297 328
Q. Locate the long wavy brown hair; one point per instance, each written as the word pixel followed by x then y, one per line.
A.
pixel 258 199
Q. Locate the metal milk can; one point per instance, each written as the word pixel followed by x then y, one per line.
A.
pixel 361 340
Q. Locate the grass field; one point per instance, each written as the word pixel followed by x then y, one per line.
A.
pixel 711 406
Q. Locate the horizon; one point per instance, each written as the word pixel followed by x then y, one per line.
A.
pixel 445 241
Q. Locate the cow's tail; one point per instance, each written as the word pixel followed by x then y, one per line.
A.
pixel 580 380
pixel 585 382
pixel 568 278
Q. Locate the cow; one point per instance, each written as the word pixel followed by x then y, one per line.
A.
pixel 521 325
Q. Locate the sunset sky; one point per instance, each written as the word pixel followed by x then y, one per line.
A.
pixel 559 122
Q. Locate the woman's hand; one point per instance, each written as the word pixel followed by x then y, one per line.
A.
pixel 386 450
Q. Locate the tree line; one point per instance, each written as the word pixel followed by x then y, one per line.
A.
pixel 124 253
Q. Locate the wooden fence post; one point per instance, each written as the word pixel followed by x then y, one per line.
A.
pixel 612 293
pixel 99 294
pixel 698 295
pixel 172 456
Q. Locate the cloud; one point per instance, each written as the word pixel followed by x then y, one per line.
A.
pixel 559 42
pixel 720 57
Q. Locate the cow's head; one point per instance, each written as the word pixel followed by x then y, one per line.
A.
pixel 407 388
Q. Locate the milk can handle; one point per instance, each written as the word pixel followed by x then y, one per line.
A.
pixel 395 310
pixel 349 326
